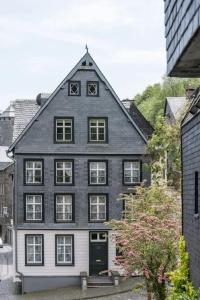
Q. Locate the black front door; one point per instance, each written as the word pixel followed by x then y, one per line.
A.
pixel 98 252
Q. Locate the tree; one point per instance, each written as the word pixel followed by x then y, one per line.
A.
pixel 147 237
pixel 151 102
pixel 165 151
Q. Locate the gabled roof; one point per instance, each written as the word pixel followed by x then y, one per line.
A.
pixel 85 63
pixel 176 105
pixel 194 107
pixel 140 120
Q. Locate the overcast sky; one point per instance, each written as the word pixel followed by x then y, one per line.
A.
pixel 41 41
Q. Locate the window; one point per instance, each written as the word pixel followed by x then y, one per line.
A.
pixel 98 172
pixel 64 128
pixel 34 249
pixel 196 196
pixel 64 208
pixel 34 208
pixel 97 208
pixel 98 130
pixel 74 88
pixel 64 172
pixel 98 236
pixel 64 249
pixel 34 172
pixel 93 88
pixel 5 211
pixel 132 172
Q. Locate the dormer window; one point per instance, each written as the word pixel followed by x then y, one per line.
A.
pixel 74 88
pixel 93 88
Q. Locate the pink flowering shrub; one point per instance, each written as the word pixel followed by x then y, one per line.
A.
pixel 147 236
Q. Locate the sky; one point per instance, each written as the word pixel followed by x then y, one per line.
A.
pixel 42 40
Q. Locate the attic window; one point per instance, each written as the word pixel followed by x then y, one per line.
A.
pixel 74 88
pixel 93 88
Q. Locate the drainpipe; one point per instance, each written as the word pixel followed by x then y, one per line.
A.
pixel 14 225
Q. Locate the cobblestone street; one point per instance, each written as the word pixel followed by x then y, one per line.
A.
pixel 71 293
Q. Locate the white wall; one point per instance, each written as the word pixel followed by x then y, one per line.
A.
pixel 81 254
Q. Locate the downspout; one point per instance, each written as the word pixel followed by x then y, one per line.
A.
pixel 14 224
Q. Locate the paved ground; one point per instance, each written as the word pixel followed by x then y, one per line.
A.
pixel 74 293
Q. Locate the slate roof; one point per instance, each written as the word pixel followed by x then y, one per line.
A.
pixel 176 106
pixel 24 112
pixel 194 107
pixel 85 63
pixel 140 120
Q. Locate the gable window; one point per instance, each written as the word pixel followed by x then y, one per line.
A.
pixel 98 172
pixel 64 128
pixel 64 208
pixel 93 88
pixel 132 172
pixel 97 208
pixel 64 172
pixel 34 249
pixel 98 130
pixel 34 172
pixel 196 196
pixel 64 249
pixel 34 208
pixel 74 88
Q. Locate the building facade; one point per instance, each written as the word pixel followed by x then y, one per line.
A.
pixel 182 31
pixel 77 154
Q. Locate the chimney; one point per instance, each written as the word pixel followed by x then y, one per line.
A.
pixel 42 98
pixel 127 103
pixel 189 92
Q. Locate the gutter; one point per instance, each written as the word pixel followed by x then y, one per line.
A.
pixel 14 227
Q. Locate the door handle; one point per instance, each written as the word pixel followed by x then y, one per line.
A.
pixel 98 260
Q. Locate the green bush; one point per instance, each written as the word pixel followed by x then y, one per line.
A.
pixel 182 288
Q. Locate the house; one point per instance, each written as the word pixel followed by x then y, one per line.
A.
pixel 75 156
pixel 182 31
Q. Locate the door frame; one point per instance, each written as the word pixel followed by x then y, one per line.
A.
pixel 107 260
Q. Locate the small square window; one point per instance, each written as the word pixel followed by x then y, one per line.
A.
pixel 93 88
pixel 74 88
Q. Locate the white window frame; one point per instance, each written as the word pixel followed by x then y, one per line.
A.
pixel 98 205
pixel 64 129
pixel 98 239
pixel 64 245
pixel 132 169
pixel 64 169
pixel 97 169
pixel 96 87
pixel 65 203
pixel 97 127
pixel 34 169
pixel 34 203
pixel 33 246
pixel 71 92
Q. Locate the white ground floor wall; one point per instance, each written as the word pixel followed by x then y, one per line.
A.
pixel 81 254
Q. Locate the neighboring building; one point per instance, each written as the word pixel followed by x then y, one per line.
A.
pixel 183 60
pixel 6 196
pixel 174 108
pixel 182 31
pixel 77 154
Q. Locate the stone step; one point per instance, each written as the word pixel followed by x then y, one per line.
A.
pixel 99 281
